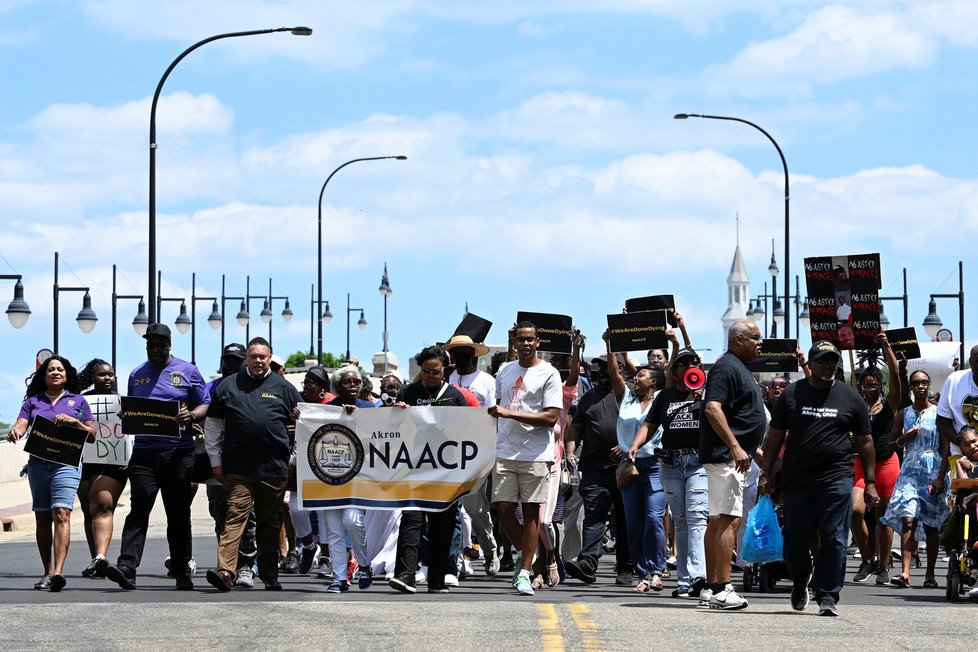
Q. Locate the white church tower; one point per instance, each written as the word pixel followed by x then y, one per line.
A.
pixel 737 292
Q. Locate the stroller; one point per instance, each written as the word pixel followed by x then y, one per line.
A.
pixel 765 576
pixel 958 535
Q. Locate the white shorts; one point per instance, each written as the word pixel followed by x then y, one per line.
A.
pixel 725 486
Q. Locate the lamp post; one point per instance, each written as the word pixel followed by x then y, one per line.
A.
pixel 214 319
pixel 777 314
pixel 906 321
pixel 319 243
pixel 787 197
pixel 385 291
pixel 182 322
pixel 139 324
pixel 86 316
pixel 933 323
pixel 296 31
pixel 266 313
pixel 361 324
pixel 18 312
pixel 242 317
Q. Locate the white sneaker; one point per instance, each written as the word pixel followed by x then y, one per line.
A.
pixel 245 578
pixel 325 570
pixel 728 599
pixel 705 596
pixel 451 580
pixel 421 577
pixel 973 594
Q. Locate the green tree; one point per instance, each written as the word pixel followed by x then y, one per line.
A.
pixel 298 359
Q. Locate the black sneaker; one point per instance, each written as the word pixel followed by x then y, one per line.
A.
pixel 883 577
pixel 117 575
pixel 305 562
pixel 506 564
pixel 580 571
pixel 624 578
pixel 866 568
pixel 799 597
pixel 58 582
pixel 696 588
pixel 184 583
pixel 290 565
pixel 681 592
pixel 403 583
pixel 827 607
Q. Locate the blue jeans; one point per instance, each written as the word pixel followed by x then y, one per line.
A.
pixel 824 511
pixel 645 509
pixel 685 484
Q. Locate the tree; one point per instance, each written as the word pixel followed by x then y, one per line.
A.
pixel 298 359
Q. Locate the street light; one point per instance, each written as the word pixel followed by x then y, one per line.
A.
pixel 266 313
pixel 18 311
pixel 904 299
pixel 296 31
pixel 787 197
pixel 86 316
pixel 215 319
pixel 932 323
pixel 241 317
pixel 319 241
pixel 139 323
pixel 360 324
pixel 182 322
pixel 385 290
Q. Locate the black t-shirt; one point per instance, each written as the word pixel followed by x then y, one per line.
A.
pixel 881 424
pixel 818 448
pixel 679 416
pixel 597 412
pixel 417 394
pixel 730 383
pixel 255 413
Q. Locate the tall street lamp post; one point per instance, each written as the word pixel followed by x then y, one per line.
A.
pixel 297 31
pixel 933 323
pixel 787 197
pixel 362 323
pixel 319 245
pixel 266 313
pixel 214 319
pixel 385 291
pixel 884 320
pixel 139 324
pixel 242 317
pixel 86 316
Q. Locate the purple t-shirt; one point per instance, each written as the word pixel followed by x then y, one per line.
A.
pixel 74 405
pixel 177 381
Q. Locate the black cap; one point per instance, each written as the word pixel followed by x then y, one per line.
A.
pixel 157 330
pixel 822 348
pixel 319 376
pixel 235 350
pixel 686 353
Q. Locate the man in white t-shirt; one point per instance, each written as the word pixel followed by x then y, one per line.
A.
pixel 465 356
pixel 529 401
pixel 958 406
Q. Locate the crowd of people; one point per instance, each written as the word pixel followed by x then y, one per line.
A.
pixel 649 456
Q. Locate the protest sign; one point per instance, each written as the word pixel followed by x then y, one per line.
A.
pixel 54 443
pixel 391 458
pixel 904 342
pixel 110 446
pixel 843 299
pixel 665 302
pixel 638 331
pixel 150 417
pixel 776 356
pixel 554 331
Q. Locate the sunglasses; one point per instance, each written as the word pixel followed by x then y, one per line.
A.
pixel 918 383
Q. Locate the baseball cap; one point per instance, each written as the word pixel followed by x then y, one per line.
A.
pixel 277 360
pixel 157 330
pixel 822 348
pixel 234 349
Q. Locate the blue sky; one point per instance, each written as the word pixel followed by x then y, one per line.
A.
pixel 545 171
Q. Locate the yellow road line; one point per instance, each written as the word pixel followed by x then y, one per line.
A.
pixel 550 636
pixel 587 626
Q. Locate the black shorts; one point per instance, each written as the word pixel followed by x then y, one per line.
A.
pixel 117 473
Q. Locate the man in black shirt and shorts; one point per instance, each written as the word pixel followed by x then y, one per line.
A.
pixel 820 413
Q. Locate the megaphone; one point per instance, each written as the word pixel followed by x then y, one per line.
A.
pixel 694 378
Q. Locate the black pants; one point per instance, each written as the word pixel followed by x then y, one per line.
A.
pixel 441 529
pixel 150 473
pixel 600 493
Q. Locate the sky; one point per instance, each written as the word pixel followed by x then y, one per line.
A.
pixel 545 171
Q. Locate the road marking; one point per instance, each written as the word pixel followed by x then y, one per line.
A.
pixel 587 626
pixel 550 636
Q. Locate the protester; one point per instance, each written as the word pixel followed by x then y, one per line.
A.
pixel 53 393
pixel 431 390
pixel 528 405
pixel 819 412
pixel 161 465
pixel 248 445
pixel 729 435
pixel 874 547
pixel 101 484
pixel 958 404
pixel 643 499
pixel 677 410
pixel 919 497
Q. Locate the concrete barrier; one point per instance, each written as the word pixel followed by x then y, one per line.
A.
pixel 12 460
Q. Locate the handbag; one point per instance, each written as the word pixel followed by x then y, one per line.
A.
pixel 625 473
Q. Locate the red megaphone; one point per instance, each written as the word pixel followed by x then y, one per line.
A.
pixel 694 378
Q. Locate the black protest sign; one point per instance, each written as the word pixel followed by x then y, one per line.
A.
pixel 904 342
pixel 475 327
pixel 638 331
pixel 150 417
pixel 54 443
pixel 554 331
pixel 665 302
pixel 776 356
pixel 843 299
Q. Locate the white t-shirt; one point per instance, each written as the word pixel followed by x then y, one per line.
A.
pixel 843 312
pixel 528 389
pixel 479 383
pixel 959 402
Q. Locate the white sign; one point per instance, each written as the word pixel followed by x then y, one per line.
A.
pixel 110 445
pixel 390 458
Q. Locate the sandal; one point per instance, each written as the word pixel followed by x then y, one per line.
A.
pixel 656 583
pixel 900 582
pixel 930 582
pixel 537 583
pixel 644 586
pixel 553 573
pixel 44 584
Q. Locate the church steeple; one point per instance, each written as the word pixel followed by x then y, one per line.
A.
pixel 737 289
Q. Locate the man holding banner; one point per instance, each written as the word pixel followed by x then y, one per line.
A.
pixel 529 401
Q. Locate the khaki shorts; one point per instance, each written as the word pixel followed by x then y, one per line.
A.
pixel 519 481
pixel 725 486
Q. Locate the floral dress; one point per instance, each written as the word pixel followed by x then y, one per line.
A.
pixel 921 462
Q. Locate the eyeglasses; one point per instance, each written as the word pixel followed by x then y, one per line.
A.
pixel 826 360
pixel 778 385
pixel 433 372
pixel 919 383
pixel 350 380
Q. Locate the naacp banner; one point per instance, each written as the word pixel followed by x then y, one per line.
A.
pixel 110 446
pixel 391 458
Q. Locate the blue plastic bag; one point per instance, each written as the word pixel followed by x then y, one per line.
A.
pixel 763 542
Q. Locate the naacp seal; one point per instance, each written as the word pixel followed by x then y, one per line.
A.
pixel 335 454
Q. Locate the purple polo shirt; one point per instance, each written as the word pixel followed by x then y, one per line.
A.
pixel 177 381
pixel 74 405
